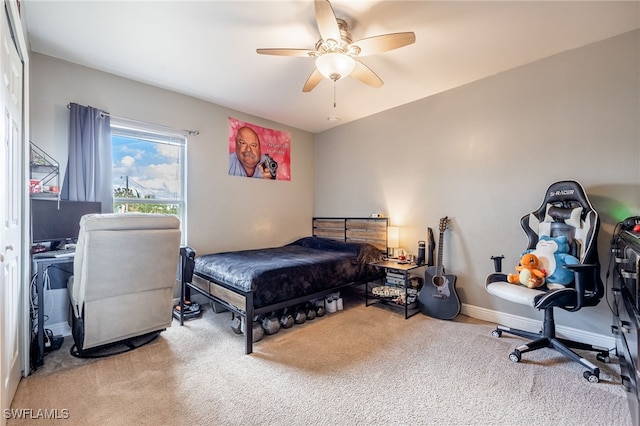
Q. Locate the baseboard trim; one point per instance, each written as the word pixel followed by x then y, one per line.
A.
pixel 59 329
pixel 515 321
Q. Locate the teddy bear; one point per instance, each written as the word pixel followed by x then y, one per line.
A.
pixel 529 272
pixel 553 254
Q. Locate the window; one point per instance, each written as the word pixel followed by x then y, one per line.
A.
pixel 149 173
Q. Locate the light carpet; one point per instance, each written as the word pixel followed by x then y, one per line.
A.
pixel 359 366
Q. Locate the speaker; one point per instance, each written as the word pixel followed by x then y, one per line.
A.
pixel 421 253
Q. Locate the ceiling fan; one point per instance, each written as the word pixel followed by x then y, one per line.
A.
pixel 336 54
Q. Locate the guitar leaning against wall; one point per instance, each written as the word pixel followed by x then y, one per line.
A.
pixel 438 297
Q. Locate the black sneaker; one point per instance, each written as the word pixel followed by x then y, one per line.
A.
pixel 191 310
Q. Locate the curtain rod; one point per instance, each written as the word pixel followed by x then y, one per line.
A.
pixel 189 132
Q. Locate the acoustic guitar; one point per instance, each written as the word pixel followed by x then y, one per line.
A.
pixel 438 297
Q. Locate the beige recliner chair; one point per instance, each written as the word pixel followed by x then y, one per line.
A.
pixel 124 273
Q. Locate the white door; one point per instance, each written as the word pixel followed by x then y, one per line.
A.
pixel 11 172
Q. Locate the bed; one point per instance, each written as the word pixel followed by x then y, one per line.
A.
pixel 251 283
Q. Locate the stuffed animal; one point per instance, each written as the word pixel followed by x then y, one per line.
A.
pixel 553 254
pixel 529 272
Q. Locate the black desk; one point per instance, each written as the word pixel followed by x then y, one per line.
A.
pixel 40 265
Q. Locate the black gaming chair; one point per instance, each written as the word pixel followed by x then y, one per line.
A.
pixel 565 210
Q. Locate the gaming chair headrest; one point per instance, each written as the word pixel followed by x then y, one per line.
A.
pixel 565 201
pixel 560 214
pixel 567 193
pixel 565 210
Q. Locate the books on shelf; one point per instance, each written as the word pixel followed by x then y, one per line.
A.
pixel 397 283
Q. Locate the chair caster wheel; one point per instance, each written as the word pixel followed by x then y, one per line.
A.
pixel 602 357
pixel 496 333
pixel 515 356
pixel 591 378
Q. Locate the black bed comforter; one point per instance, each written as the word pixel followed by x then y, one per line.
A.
pixel 304 267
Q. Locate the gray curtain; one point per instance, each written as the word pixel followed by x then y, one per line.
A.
pixel 88 173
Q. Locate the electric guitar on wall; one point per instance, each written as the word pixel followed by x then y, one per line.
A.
pixel 438 297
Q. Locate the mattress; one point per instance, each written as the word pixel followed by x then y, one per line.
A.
pixel 304 267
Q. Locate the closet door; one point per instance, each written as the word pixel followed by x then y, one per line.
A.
pixel 11 187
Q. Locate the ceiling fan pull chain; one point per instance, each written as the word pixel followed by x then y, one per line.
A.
pixel 334 93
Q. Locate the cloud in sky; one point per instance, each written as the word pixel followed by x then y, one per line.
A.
pixel 127 161
pixel 151 168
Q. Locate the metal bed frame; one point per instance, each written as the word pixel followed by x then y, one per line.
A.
pixel 370 230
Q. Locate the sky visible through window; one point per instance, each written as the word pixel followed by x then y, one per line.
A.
pixel 149 168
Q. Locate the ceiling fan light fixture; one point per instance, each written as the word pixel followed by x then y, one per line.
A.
pixel 335 65
pixel 335 50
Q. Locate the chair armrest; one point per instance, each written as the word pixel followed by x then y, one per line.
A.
pixel 497 263
pixel 583 275
pixel 496 277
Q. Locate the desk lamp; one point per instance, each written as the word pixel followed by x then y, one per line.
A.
pixel 393 240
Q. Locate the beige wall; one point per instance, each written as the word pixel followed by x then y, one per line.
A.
pixel 483 154
pixel 224 212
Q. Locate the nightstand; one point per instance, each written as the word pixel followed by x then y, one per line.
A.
pixel 394 290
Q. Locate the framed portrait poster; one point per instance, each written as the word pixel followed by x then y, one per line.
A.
pixel 258 152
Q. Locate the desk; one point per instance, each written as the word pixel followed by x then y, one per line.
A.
pixel 40 265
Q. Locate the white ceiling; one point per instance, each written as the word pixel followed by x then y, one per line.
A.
pixel 207 49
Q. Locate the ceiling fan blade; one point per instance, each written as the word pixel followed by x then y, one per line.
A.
pixel 384 43
pixel 365 75
pixel 312 81
pixel 287 52
pixel 327 23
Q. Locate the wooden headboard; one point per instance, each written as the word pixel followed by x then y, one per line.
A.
pixel 372 230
